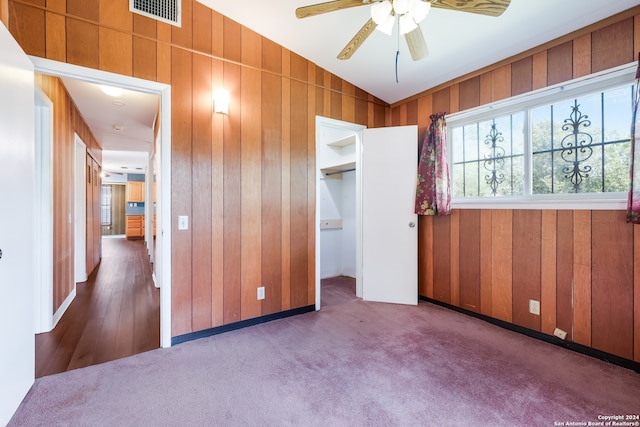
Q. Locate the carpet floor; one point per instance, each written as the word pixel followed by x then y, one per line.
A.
pixel 353 363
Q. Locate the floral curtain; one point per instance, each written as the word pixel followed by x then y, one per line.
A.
pixel 633 204
pixel 433 192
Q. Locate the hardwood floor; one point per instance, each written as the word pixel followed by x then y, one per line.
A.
pixel 115 314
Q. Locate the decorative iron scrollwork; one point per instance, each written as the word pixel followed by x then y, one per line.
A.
pixel 494 159
pixel 576 147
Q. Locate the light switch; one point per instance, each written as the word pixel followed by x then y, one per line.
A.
pixel 183 222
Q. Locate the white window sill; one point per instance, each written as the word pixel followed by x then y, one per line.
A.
pixel 611 201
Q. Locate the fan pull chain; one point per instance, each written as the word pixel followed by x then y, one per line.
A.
pixel 397 55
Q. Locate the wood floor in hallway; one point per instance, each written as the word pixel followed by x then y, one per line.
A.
pixel 115 314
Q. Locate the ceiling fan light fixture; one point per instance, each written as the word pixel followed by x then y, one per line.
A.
pixel 419 10
pixel 381 11
pixel 401 6
pixel 387 26
pixel 406 24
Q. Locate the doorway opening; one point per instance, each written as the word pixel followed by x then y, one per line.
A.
pixel 338 204
pixel 162 273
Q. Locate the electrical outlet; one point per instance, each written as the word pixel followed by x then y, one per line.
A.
pixel 534 307
pixel 560 333
pixel 261 292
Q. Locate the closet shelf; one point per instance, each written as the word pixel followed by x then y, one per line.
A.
pixel 335 172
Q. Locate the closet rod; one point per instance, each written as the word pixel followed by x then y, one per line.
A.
pixel 337 172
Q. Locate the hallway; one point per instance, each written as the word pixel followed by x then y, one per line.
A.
pixel 115 313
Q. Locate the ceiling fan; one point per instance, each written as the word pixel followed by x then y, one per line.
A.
pixel 409 12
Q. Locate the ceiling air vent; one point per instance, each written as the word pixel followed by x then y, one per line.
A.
pixel 162 10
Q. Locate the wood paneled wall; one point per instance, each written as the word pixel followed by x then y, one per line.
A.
pixel 67 121
pixel 246 179
pixel 582 265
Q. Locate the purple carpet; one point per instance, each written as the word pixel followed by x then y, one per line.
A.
pixel 351 364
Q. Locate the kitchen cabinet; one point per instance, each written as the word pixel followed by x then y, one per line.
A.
pixel 134 226
pixel 135 191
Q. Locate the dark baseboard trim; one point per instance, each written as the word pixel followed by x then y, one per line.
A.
pixel 589 351
pixel 239 325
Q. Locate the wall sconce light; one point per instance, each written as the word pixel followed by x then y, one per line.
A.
pixel 221 101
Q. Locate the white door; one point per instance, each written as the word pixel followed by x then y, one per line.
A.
pixel 389 224
pixel 17 206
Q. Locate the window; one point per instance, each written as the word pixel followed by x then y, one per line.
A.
pixel 565 143
pixel 105 205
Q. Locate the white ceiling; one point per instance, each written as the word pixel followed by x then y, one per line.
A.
pixel 124 150
pixel 458 42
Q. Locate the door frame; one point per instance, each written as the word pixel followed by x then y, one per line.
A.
pixel 322 124
pixel 43 251
pixel 80 210
pixel 61 69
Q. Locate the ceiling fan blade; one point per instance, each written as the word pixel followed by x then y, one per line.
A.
pixel 330 6
pixel 357 40
pixel 417 45
pixel 482 7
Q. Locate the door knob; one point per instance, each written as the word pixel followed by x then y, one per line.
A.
pixel 412 224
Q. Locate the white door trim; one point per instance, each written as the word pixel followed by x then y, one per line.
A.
pixel 80 214
pixel 324 123
pixel 43 251
pixel 61 69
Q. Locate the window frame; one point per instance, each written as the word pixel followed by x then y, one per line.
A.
pixel 601 81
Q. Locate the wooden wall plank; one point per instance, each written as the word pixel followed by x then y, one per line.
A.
pixel 348 102
pixel 86 9
pixel 217 34
pixel 251 48
pixel 286 185
pixel 582 56
pixel 454 96
pixel 116 15
pixel 486 274
pixel 201 317
pixel 527 243
pixel 311 187
pixel 441 101
pixel 183 36
pixel 232 198
pixel 564 273
pixel 469 266
pixel 539 70
pixel 425 256
pixel 181 155
pixel 29 29
pixel 560 63
pixel 272 192
pixel 455 257
pixel 501 83
pixel 470 93
pixel 486 88
pixel 501 267
pixel 56 41
pixel 271 57
pixel 116 52
pixel 232 40
pixel 611 305
pixel 145 53
pixel 299 230
pixel 144 26
pixel 82 43
pixel 163 63
pixel 522 76
pixel 548 272
pixel 612 46
pixel 251 191
pixel 217 203
pixel 442 258
pixel 412 112
pixel 202 28
pixel 582 277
